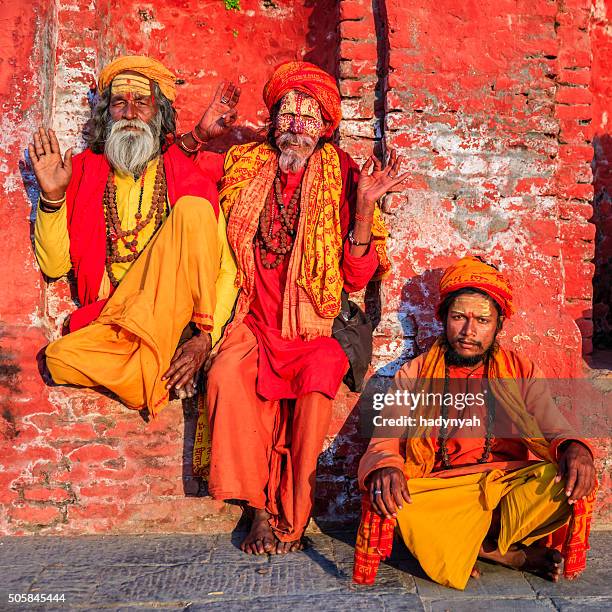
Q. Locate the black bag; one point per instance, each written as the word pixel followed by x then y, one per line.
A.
pixel 354 333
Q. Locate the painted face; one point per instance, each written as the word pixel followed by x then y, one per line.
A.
pixel 131 98
pixel 471 324
pixel 299 114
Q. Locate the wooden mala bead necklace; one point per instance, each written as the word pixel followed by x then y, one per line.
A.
pixel 489 436
pixel 277 243
pixel 115 234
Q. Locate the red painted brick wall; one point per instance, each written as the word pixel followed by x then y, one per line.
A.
pixel 491 104
pixel 602 172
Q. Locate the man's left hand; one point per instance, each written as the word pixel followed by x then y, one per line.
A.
pixel 221 114
pixel 576 466
pixel 186 363
pixel 376 179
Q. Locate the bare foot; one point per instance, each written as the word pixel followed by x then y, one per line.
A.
pixel 475 573
pixel 539 560
pixel 282 548
pixel 260 539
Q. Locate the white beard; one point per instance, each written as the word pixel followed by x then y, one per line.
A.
pixel 291 160
pixel 129 151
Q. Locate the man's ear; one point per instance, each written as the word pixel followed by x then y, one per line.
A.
pixel 500 322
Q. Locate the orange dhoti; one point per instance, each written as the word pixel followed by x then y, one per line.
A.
pixel 272 463
pixel 129 347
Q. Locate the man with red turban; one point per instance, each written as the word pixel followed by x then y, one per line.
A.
pixel 303 224
pixel 136 221
pixel 456 489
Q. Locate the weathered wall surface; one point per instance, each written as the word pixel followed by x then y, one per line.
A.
pixel 492 104
pixel 601 42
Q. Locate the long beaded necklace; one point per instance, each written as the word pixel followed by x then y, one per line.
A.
pixel 129 237
pixel 443 435
pixel 277 243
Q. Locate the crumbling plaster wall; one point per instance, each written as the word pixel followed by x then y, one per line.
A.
pixel 491 105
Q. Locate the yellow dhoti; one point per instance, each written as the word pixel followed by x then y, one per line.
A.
pixel 449 518
pixel 129 347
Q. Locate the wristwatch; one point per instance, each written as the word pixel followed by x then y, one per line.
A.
pixel 354 242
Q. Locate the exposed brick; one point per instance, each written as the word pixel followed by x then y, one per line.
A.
pixel 94 453
pixel 36 515
pixel 55 494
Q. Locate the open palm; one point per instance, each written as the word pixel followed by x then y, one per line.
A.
pixel 52 171
pixel 376 179
pixel 221 113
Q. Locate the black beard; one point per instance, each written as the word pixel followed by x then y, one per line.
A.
pixel 453 358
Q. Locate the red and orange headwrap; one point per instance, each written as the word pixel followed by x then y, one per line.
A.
pixel 311 80
pixel 472 272
pixel 149 67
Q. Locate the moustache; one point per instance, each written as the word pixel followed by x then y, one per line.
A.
pixel 295 139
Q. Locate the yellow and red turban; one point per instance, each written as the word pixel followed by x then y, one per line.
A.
pixel 311 80
pixel 149 67
pixel 472 272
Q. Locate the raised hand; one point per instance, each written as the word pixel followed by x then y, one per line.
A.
pixel 221 114
pixel 52 171
pixel 376 179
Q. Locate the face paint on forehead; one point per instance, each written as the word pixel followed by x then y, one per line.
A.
pixel 476 305
pixel 131 84
pixel 299 104
pixel 299 114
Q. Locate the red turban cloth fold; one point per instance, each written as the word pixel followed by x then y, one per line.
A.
pixel 474 273
pixel 310 80
pixel 147 66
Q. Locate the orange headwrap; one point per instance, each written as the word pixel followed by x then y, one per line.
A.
pixel 311 80
pixel 473 272
pixel 146 66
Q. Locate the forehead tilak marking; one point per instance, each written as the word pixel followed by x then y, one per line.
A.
pixel 477 304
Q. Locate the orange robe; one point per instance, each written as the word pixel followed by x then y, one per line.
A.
pixel 273 396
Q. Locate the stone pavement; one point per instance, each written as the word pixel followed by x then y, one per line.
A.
pixel 184 572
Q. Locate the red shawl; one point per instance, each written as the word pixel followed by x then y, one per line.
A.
pixel 86 224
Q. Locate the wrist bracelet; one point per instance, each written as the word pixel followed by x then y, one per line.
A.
pixel 48 209
pixel 185 147
pixel 195 136
pixel 48 201
pixel 359 217
pixel 353 241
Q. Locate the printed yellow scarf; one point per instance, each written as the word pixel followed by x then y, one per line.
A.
pixel 314 280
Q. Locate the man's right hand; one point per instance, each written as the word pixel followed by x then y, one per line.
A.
pixel 388 490
pixel 52 171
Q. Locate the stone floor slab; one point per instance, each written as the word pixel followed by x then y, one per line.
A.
pixel 578 604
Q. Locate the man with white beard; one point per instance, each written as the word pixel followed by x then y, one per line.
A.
pixel 98 212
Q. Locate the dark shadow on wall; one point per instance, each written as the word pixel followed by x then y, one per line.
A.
pixel 602 219
pixel 338 500
pixel 322 36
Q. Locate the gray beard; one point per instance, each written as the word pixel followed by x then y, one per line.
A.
pixel 130 151
pixel 289 159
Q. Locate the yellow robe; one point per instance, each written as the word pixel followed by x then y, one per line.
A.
pixel 52 243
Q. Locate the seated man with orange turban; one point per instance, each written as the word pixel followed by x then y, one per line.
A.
pixel 523 501
pixel 303 224
pixel 136 221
